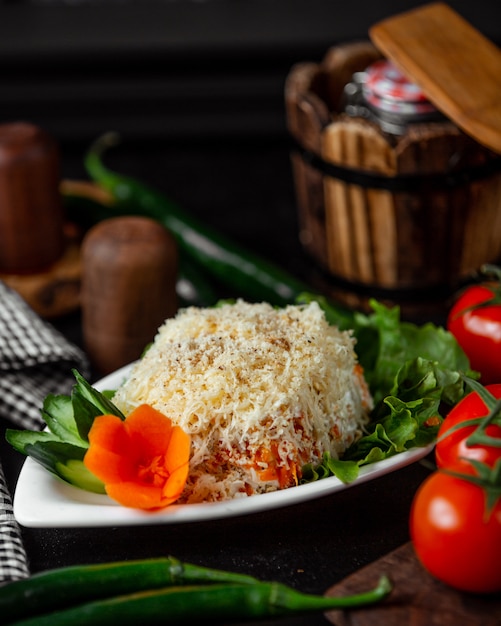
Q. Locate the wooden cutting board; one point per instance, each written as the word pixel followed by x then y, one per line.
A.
pixel 54 291
pixel 416 599
pixel 455 65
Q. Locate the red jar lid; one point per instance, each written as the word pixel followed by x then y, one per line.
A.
pixel 387 89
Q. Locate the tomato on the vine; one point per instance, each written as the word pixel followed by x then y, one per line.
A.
pixel 475 322
pixel 453 447
pixel 456 539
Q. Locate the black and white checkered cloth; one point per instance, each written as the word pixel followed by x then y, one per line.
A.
pixel 13 560
pixel 35 360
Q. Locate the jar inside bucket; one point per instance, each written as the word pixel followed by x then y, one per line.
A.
pixel 383 94
pixel 395 201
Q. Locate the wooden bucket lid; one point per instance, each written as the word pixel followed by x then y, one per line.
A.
pixel 453 63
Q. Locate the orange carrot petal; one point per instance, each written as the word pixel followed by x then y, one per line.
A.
pixel 109 455
pixel 109 466
pixel 150 430
pixel 175 484
pixel 136 495
pixel 178 452
pixel 177 463
pixel 143 461
pixel 108 432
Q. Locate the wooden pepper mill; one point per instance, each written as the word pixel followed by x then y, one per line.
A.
pixel 128 288
pixel 31 214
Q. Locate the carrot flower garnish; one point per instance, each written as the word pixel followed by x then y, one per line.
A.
pixel 143 460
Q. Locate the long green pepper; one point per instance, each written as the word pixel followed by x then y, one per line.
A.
pixel 191 604
pixel 63 587
pixel 231 264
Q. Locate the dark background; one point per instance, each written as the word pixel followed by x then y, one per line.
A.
pixel 195 88
pixel 175 70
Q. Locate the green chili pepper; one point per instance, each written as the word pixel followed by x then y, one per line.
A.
pixel 63 587
pixel 231 264
pixel 194 286
pixel 193 604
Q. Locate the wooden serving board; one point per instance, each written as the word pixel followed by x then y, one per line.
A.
pixel 54 291
pixel 416 598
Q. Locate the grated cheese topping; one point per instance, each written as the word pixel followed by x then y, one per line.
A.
pixel 261 390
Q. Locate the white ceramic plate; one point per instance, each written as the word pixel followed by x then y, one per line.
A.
pixel 42 501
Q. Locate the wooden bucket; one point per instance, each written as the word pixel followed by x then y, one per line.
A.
pixel 405 219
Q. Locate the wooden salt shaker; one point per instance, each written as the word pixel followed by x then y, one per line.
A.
pixel 31 214
pixel 128 288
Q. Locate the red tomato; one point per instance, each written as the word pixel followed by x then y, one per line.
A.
pixel 452 448
pixel 478 329
pixel 452 536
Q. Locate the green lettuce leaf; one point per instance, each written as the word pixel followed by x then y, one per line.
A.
pixel 414 374
pixel 57 412
pixel 62 448
pixel 385 344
